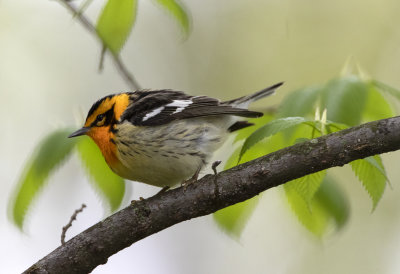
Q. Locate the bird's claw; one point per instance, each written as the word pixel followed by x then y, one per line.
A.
pixel 215 165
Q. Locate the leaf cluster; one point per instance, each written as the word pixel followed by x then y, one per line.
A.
pixel 51 153
pixel 316 199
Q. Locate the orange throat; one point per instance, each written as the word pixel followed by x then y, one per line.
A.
pixel 103 137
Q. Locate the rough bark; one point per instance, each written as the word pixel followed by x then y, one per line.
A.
pixel 93 246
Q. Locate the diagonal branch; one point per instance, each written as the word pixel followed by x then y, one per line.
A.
pixel 93 247
pixel 123 70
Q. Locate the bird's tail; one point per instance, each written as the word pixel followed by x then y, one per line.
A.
pixel 244 101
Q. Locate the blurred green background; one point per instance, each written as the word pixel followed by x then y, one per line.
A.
pixel 49 79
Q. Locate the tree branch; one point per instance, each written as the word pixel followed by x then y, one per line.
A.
pixel 128 77
pixel 93 246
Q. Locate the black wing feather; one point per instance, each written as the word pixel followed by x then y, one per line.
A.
pixel 152 108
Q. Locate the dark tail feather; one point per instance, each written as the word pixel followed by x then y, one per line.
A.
pixel 255 96
pixel 239 125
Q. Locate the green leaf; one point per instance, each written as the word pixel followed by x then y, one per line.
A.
pixel 110 185
pixel 334 201
pixel 306 130
pixel 376 161
pixel 386 88
pixel 333 127
pixel 345 100
pixel 233 219
pixel 232 160
pixel 258 122
pixel 377 107
pixel 328 205
pixel 262 148
pixel 306 186
pixel 116 22
pixel 50 153
pixel 300 102
pixel 370 172
pixel 270 129
pixel 178 12
pixel 313 217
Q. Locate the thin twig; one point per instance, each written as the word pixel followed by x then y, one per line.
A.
pixel 73 218
pixel 123 70
pixel 102 54
pixel 129 78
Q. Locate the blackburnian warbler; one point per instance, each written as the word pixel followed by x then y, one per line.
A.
pixel 163 137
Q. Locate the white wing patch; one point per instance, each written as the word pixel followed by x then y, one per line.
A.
pixel 180 105
pixel 153 113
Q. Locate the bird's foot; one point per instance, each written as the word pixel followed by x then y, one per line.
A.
pixel 214 168
pixel 192 180
pixel 215 165
pixel 164 189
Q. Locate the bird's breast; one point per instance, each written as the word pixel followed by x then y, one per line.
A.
pixel 104 139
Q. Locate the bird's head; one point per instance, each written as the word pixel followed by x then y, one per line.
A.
pixel 102 117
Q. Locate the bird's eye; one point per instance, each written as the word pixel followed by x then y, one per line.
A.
pixel 100 119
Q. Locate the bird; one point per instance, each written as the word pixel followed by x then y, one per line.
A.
pixel 164 137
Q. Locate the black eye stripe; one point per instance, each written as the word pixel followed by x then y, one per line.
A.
pixel 108 115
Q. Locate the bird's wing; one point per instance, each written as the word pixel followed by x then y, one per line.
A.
pixel 152 108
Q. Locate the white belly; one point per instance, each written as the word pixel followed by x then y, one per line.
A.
pixel 169 154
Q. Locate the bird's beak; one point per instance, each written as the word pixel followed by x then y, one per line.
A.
pixel 79 132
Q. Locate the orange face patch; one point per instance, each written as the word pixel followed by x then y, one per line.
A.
pixel 102 137
pixel 119 101
pixel 110 109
